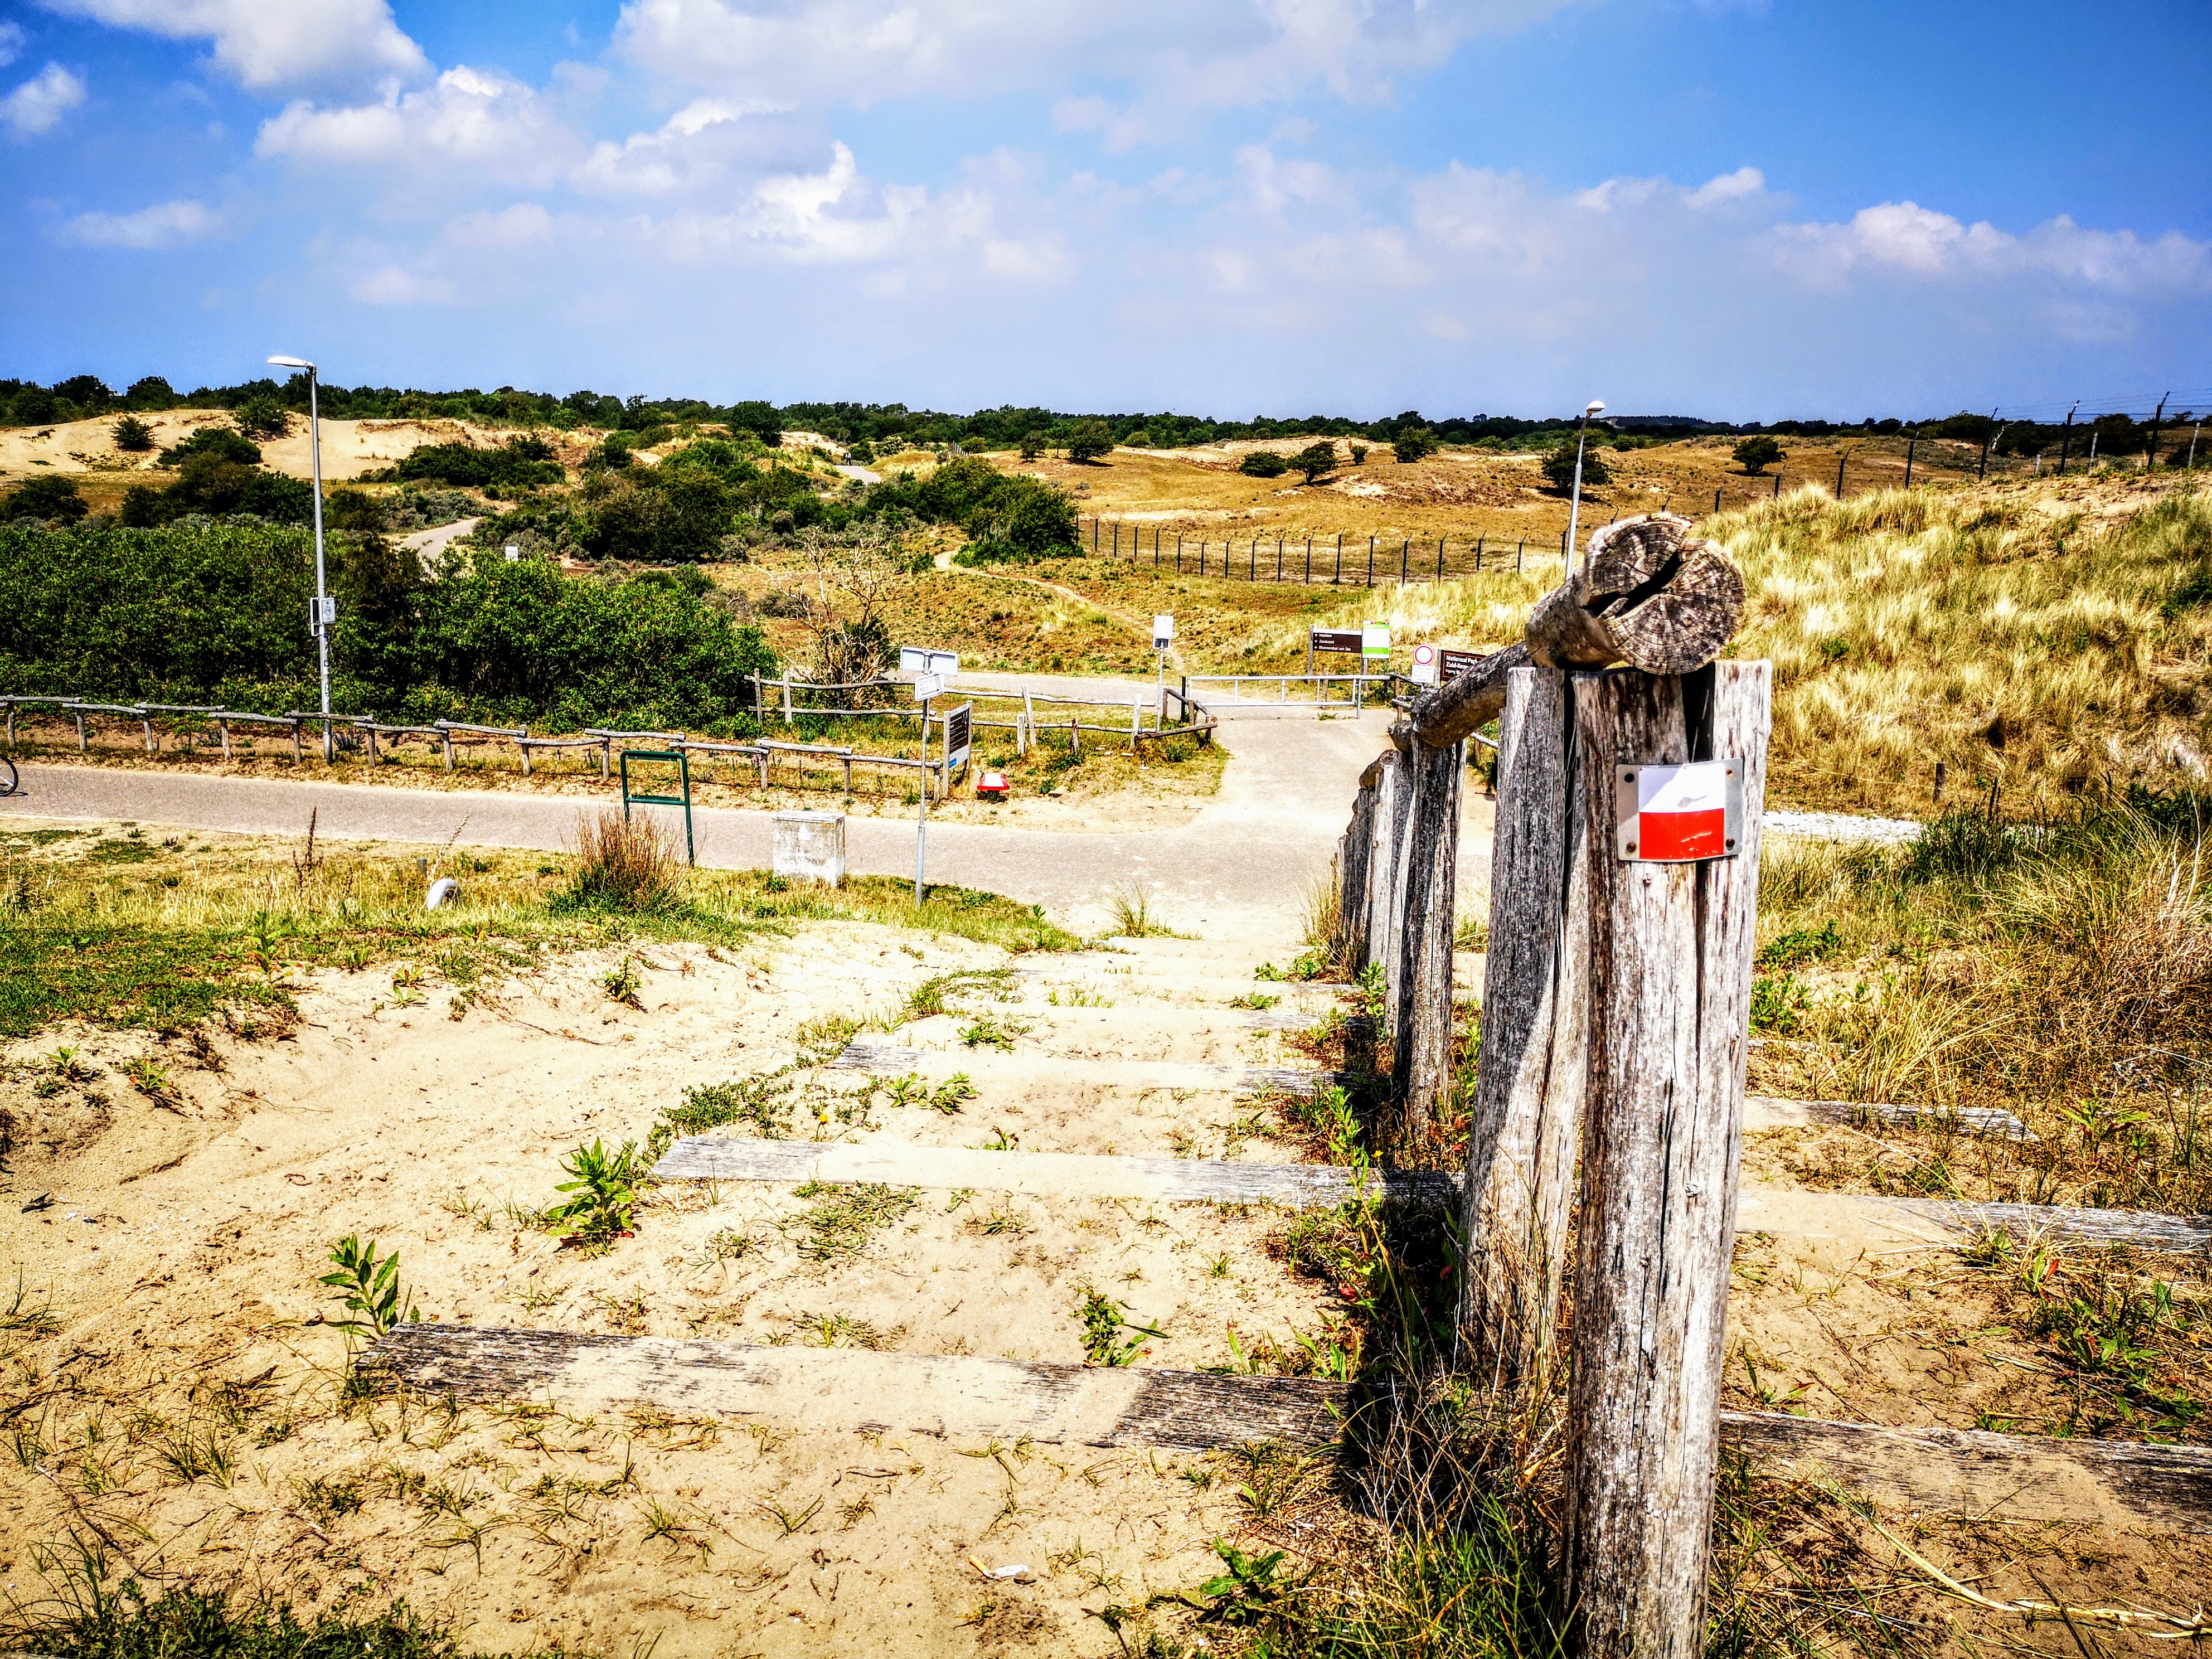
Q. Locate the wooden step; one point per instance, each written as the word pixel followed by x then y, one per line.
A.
pixel 855 1390
pixel 1940 1223
pixel 889 1060
pixel 852 1390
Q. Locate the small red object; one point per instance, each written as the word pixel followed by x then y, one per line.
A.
pixel 991 785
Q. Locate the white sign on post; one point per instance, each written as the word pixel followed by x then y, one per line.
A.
pixel 1375 642
pixel 920 659
pixel 1425 665
pixel 928 686
pixel 1678 814
pixel 1162 632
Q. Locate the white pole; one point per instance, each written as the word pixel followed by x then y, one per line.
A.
pixel 322 586
pixel 921 819
pixel 1574 506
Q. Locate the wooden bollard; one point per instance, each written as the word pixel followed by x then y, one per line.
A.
pixel 1670 966
pixel 448 738
pixel 222 728
pixel 1428 870
pixel 80 732
pixel 295 741
pixel 1526 1118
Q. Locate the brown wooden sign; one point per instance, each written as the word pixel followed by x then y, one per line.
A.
pixel 1456 663
pixel 1338 638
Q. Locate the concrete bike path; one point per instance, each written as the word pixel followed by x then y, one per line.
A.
pixel 1250 857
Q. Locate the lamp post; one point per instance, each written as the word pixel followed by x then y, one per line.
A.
pixel 1575 508
pixel 325 613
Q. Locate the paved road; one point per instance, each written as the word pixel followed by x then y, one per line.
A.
pixel 1245 862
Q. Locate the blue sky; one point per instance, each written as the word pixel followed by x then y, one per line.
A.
pixel 1226 207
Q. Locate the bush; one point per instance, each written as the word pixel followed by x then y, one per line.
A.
pixel 1028 518
pixel 519 462
pixel 622 864
pixel 132 434
pixel 1032 445
pixel 51 496
pixel 1317 460
pixel 1759 452
pixel 1358 455
pixel 1560 464
pixel 1089 440
pixel 262 417
pixel 1263 463
pixel 1414 444
pixel 675 520
pixel 220 443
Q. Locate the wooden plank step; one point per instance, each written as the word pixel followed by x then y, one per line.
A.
pixel 891 1059
pixel 852 1390
pixel 1781 1112
pixel 2009 1476
pixel 855 1390
pixel 1792 1213
pixel 1037 1175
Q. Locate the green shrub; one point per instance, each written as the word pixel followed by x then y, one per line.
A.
pixel 1759 452
pixel 1317 460
pixel 519 462
pixel 132 434
pixel 220 443
pixel 1089 440
pixel 51 496
pixel 1263 463
pixel 1560 464
pixel 1414 444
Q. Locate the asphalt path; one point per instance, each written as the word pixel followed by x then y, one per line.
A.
pixel 1246 861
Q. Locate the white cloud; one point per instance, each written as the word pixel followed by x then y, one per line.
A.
pixel 1729 187
pixel 263 43
pixel 695 148
pixel 1186 53
pixel 1906 238
pixel 40 102
pixel 389 285
pixel 493 127
pixel 165 224
pixel 519 226
pixel 11 43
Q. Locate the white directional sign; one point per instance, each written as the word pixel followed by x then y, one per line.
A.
pixel 1162 632
pixel 1375 642
pixel 920 659
pixel 928 686
pixel 1425 665
pixel 1678 814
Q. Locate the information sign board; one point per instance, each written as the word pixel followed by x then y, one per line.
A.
pixel 1425 665
pixel 920 659
pixel 1375 642
pixel 1456 663
pixel 957 723
pixel 1336 639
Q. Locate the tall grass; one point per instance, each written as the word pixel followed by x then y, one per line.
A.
pixel 623 863
pixel 2061 970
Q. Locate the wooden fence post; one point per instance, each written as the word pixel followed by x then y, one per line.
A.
pixel 1382 847
pixel 1528 1083
pixel 80 731
pixel 1352 916
pixel 295 739
pixel 1670 953
pixel 1421 1023
pixel 446 734
pixel 222 726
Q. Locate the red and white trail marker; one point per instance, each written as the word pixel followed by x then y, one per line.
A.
pixel 1678 814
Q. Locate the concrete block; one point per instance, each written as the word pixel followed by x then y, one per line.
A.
pixel 810 846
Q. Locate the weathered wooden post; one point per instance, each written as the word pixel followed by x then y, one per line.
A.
pixel 1428 870
pixel 1381 863
pixel 222 727
pixel 1670 951
pixel 79 713
pixel 446 735
pixel 1359 845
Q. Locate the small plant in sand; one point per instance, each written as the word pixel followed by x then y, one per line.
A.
pixel 1103 1321
pixel 369 1285
pixel 605 1188
pixel 623 982
pixel 1134 917
pixel 621 864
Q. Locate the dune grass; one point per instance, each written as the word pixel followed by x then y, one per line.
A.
pixel 178 930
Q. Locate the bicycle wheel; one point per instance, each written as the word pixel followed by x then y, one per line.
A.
pixel 7 777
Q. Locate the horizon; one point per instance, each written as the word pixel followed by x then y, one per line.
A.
pixel 1757 213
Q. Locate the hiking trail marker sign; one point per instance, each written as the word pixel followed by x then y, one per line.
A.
pixel 1678 814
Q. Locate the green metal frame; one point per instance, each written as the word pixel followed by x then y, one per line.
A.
pixel 682 761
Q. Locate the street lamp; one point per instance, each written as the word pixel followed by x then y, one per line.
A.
pixel 1575 510
pixel 325 613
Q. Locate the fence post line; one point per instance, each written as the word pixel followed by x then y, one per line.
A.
pixel 1337 581
pixel 606 757
pixel 522 742
pixel 1421 1024
pixel 295 738
pixel 146 724
pixel 371 729
pixel 1440 558
pixel 1405 559
pixel 11 726
pixel 1352 916
pixel 1519 552
pixel 1525 1120
pixel 1383 866
pixel 80 731
pixel 1308 582
pixel 1671 949
pixel 787 694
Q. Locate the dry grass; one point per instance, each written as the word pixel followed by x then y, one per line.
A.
pixel 623 863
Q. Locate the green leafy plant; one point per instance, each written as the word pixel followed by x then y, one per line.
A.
pixel 1263 463
pixel 605 1185
pixel 132 434
pixel 369 1286
pixel 1757 453
pixel 949 1095
pixel 1103 1321
pixel 989 1033
pixel 1253 1588
pixel 623 982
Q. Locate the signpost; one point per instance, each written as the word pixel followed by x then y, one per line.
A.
pixel 1679 814
pixel 957 743
pixel 1425 666
pixel 1163 637
pixel 920 659
pixel 1375 645
pixel 1330 639
pixel 1456 663
pixel 681 761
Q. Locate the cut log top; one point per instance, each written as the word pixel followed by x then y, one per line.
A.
pixel 1649 595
